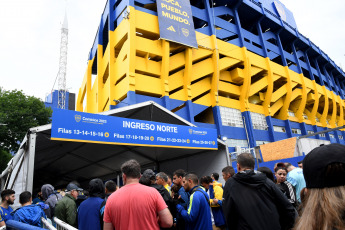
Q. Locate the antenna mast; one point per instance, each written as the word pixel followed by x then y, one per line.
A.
pixel 63 64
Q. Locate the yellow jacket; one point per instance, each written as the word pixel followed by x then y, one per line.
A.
pixel 217 192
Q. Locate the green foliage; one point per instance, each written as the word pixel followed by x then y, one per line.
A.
pixel 20 113
pixel 5 157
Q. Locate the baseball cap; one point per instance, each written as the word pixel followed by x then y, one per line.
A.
pixel 149 173
pixel 316 163
pixel 72 186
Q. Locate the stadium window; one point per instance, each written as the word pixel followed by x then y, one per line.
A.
pixel 305 116
pixel 296 131
pixel 291 114
pixel 259 121
pixel 231 117
pixel 279 129
pixel 258 143
pixel 237 142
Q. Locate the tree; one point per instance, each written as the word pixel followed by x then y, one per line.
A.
pixel 19 113
pixel 5 157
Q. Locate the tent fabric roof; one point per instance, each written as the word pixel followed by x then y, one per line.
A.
pixel 59 162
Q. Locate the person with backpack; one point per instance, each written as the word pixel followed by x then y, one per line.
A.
pixel 29 213
pixel 51 198
pixel 198 214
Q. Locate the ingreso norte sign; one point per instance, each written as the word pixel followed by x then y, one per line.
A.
pixel 85 127
pixel 176 22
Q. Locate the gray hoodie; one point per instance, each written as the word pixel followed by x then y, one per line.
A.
pixel 51 198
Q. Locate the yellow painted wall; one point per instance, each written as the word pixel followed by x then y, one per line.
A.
pixel 217 73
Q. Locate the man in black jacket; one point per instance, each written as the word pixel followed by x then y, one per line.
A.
pixel 251 201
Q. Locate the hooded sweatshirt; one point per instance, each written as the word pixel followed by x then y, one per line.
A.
pixel 30 214
pixel 251 201
pixel 51 198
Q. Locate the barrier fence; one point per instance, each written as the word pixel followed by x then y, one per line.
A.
pixel 47 224
pixel 60 225
pixel 15 225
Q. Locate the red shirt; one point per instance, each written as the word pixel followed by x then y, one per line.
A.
pixel 134 207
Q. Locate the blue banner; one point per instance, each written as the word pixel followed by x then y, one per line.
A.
pixel 176 22
pixel 70 125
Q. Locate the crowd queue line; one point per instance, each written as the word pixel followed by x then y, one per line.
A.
pixel 310 196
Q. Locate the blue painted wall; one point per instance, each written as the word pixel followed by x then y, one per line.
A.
pixel 52 100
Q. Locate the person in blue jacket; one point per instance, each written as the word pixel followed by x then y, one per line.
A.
pixel 178 176
pixel 89 211
pixel 29 213
pixel 215 191
pixel 198 214
pixel 7 199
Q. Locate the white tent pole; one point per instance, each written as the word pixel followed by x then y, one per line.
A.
pixel 31 162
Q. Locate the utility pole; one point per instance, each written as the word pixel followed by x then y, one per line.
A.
pixel 63 65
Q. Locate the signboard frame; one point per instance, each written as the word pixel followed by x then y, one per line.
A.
pixel 94 128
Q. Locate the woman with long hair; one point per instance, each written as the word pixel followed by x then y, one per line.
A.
pixel 324 205
pixel 285 186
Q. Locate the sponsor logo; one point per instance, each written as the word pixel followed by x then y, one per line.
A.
pixel 77 118
pixel 185 32
pixel 171 28
pixel 196 132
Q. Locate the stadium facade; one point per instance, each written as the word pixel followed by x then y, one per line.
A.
pixel 254 77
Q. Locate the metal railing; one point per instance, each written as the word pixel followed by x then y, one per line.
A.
pixel 60 225
pixel 47 224
pixel 16 225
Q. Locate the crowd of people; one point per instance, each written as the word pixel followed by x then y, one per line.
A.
pixel 310 196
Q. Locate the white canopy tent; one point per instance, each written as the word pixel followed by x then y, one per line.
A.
pixel 41 160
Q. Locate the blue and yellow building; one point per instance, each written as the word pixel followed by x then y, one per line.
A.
pixel 254 77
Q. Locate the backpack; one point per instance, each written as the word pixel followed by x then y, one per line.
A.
pixel 202 191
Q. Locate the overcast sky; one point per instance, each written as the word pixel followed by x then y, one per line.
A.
pixel 30 38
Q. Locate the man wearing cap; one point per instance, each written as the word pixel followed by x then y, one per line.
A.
pixel 66 208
